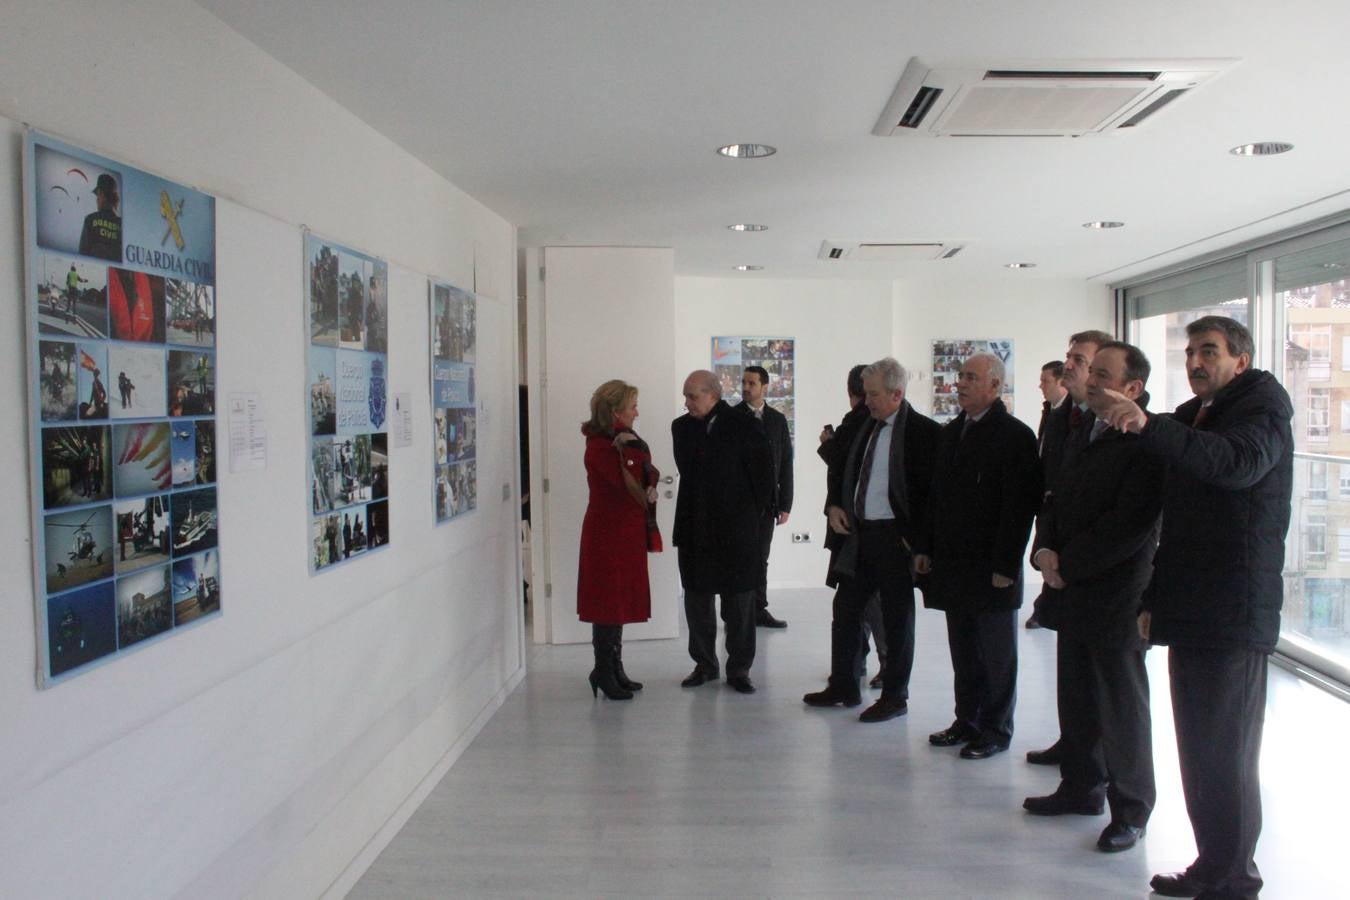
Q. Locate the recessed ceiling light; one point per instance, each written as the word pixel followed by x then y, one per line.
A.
pixel 747 151
pixel 1020 265
pixel 1262 148
pixel 1333 265
pixel 749 268
pixel 745 226
pixel 1103 224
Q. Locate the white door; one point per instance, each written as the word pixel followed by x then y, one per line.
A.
pixel 607 312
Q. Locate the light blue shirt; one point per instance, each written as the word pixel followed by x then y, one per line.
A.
pixel 877 503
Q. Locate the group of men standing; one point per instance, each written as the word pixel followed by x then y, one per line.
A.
pixel 1149 529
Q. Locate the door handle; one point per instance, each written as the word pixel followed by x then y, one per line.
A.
pixel 669 479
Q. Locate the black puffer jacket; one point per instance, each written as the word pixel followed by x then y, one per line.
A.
pixel 1217 576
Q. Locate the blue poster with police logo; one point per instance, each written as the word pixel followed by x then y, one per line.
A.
pixel 121 302
pixel 346 307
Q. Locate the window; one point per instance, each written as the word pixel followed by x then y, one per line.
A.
pixel 1316 339
pixel 1319 415
pixel 1317 481
pixel 1315 542
pixel 1343 543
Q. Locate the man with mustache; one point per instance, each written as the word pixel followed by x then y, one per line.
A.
pixel 1217 589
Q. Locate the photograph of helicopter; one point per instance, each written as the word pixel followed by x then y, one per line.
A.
pixel 79 547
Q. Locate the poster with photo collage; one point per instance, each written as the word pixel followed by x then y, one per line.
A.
pixel 454 343
pixel 121 309
pixel 730 356
pixel 347 308
pixel 947 359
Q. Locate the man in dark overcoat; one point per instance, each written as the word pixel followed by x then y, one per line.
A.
pixel 879 507
pixel 1094 543
pixel 725 472
pixel 754 392
pixel 1217 589
pixel 986 490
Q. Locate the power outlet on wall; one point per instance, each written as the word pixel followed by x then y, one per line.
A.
pixel 801 537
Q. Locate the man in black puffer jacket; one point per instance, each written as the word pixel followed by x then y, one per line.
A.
pixel 1216 590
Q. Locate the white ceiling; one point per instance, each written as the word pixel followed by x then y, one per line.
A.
pixel 595 123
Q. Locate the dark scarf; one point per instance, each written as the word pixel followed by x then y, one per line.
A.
pixel 638 451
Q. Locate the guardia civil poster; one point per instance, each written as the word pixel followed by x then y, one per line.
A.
pixel 121 309
pixel 454 349
pixel 347 311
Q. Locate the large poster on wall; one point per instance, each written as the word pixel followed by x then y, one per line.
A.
pixel 347 309
pixel 730 356
pixel 454 355
pixel 121 306
pixel 947 359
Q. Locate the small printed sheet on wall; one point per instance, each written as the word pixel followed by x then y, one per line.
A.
pixel 121 307
pixel 454 353
pixel 730 356
pixel 948 355
pixel 347 308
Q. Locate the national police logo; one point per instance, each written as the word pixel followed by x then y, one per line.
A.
pixel 376 394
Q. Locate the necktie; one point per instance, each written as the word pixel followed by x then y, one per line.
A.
pixel 1098 427
pixel 1200 416
pixel 1075 417
pixel 865 472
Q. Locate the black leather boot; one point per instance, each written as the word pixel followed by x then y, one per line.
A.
pixel 602 676
pixel 620 675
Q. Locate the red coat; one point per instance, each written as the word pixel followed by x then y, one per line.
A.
pixel 612 586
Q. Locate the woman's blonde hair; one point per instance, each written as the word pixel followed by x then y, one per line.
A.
pixel 607 400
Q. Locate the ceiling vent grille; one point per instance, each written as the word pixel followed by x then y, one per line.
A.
pixel 888 251
pixel 1037 99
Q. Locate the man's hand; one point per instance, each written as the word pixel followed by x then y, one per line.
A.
pixel 1123 414
pixel 1000 581
pixel 838 520
pixel 782 518
pixel 1048 562
pixel 1145 624
pixel 922 564
pixel 624 437
pixel 652 495
pixel 826 434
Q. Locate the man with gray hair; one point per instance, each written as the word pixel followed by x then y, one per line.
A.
pixel 986 490
pixel 879 507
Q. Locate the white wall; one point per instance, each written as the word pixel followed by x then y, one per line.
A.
pixel 836 324
pixel 1038 314
pixel 263 752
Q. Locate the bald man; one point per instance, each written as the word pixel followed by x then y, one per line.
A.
pixel 725 488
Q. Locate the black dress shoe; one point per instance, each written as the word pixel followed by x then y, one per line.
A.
pixel 1177 884
pixel 1119 836
pixel 1050 756
pixel 877 681
pixel 697 677
pixel 765 619
pixel 741 683
pixel 1062 803
pixel 951 736
pixel 884 710
pixel 982 748
pixel 1033 622
pixel 833 696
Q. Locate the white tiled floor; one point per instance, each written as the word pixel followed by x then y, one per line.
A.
pixel 708 793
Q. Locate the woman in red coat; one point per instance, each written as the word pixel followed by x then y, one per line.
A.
pixel 618 531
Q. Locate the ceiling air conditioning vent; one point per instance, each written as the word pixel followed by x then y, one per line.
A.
pixel 1037 99
pixel 890 252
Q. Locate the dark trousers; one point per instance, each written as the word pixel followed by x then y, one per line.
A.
pixel 883 568
pixel 766 530
pixel 873 625
pixel 1106 727
pixel 1219 708
pixel 738 613
pixel 984 662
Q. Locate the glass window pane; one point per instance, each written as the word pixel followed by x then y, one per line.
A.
pixel 1313 287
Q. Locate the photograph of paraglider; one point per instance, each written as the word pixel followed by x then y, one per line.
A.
pixel 121 315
